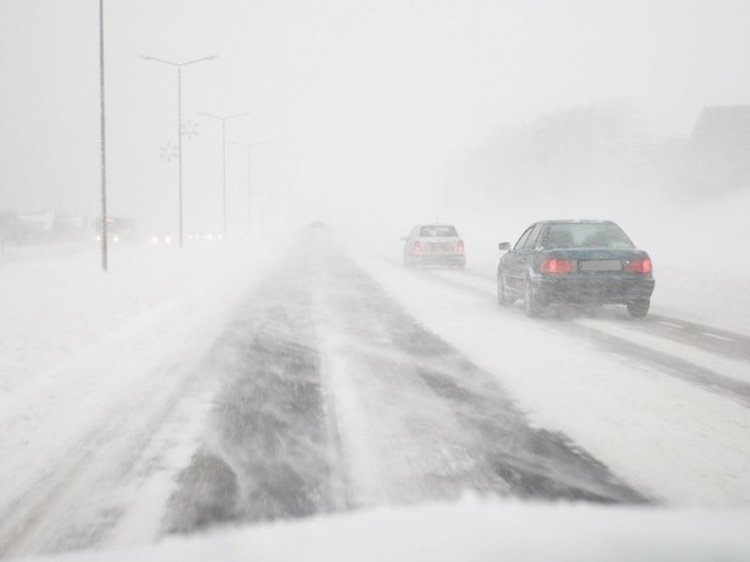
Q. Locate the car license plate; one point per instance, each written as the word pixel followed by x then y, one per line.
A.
pixel 601 265
pixel 441 247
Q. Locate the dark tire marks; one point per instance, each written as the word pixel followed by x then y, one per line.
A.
pixel 533 463
pixel 272 450
pixel 562 319
pixel 267 452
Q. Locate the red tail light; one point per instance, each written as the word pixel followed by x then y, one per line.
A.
pixel 642 266
pixel 460 246
pixel 556 265
pixel 416 247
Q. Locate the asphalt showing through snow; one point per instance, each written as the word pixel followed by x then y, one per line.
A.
pixel 267 454
pixel 279 447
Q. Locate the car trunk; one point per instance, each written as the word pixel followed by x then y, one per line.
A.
pixel 600 261
pixel 439 245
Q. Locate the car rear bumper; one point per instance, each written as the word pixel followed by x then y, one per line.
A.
pixel 438 259
pixel 590 289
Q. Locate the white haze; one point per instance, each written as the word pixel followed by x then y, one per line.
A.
pixel 371 111
pixel 370 116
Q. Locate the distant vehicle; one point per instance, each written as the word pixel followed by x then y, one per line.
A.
pixel 575 262
pixel 317 225
pixel 161 240
pixel 119 229
pixel 111 237
pixel 205 237
pixel 434 244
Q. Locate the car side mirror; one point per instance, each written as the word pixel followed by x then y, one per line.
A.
pixel 503 246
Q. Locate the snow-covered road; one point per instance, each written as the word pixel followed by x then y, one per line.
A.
pixel 661 402
pixel 340 380
pixel 334 397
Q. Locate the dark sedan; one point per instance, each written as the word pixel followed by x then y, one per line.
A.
pixel 577 262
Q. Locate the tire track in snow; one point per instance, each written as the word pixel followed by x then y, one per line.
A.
pixel 268 452
pixel 334 398
pixel 714 340
pixel 419 384
pixel 667 364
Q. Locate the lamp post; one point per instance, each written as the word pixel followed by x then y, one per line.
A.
pixel 179 66
pixel 103 141
pixel 224 119
pixel 249 147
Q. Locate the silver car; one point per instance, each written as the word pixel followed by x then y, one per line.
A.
pixel 434 244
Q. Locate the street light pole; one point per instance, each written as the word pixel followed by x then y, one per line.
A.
pixel 224 120
pixel 249 147
pixel 224 179
pixel 103 141
pixel 179 155
pixel 179 66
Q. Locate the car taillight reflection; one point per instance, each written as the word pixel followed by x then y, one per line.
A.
pixel 556 265
pixel 641 266
pixel 460 246
pixel 416 247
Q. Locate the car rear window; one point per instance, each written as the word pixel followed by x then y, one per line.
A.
pixel 435 231
pixel 585 235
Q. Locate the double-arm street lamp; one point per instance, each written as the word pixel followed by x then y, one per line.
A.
pixel 224 119
pixel 179 66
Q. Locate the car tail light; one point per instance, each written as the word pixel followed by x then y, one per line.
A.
pixel 460 246
pixel 642 266
pixel 556 265
pixel 416 247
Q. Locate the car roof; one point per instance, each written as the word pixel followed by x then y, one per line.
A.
pixel 574 221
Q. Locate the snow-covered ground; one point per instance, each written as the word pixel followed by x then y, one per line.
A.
pixel 57 305
pixel 100 383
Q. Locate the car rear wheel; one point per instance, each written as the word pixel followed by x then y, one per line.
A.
pixel 638 309
pixel 532 302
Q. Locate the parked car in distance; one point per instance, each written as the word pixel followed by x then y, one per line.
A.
pixel 434 244
pixel 576 262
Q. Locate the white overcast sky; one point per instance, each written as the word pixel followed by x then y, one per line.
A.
pixel 360 102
